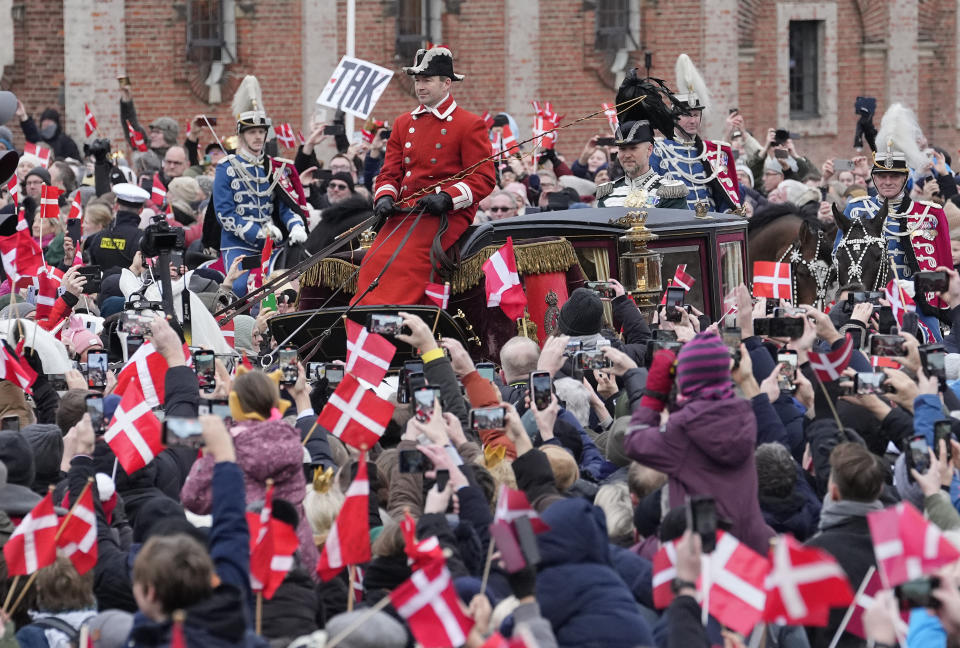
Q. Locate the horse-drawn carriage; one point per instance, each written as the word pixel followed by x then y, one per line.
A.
pixel 556 252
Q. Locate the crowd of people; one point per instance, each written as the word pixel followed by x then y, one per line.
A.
pixel 608 462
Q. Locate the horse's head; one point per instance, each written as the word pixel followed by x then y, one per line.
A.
pixel 812 262
pixel 862 252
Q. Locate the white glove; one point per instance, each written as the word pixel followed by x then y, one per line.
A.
pixel 273 232
pixel 298 235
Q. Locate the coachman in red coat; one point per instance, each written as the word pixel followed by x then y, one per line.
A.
pixel 436 160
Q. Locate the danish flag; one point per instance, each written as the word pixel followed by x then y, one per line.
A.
pixel 804 583
pixel 21 254
pixel 33 544
pixel 512 504
pixel 368 354
pixel 136 138
pixel 13 186
pixel 736 577
pixel 36 150
pixel 78 538
pixel 355 415
pixel 863 600
pixel 611 114
pixel 664 571
pixel 505 143
pixel 900 303
pixel 17 370
pixel 272 545
pixel 680 279
pixel 76 206
pixel 830 365
pixel 429 604
pixel 134 432
pixel 257 275
pixel 285 135
pixel 89 121
pixel 158 193
pixel 502 284
pixel 772 279
pixel 419 554
pixel 348 542
pixel 545 122
pixel 148 370
pixel 438 294
pixel 49 206
pixel 906 545
pixel 47 284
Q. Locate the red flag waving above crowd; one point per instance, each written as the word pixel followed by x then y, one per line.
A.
pixel 89 121
pixel 503 285
pixel 78 539
pixel 134 434
pixel 431 608
pixel 33 544
pixel 804 583
pixel 772 280
pixel 830 365
pixel 348 542
pixel 906 545
pixel 368 354
pixel 355 415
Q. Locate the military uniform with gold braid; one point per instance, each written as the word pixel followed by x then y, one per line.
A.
pixel 255 196
pixel 659 192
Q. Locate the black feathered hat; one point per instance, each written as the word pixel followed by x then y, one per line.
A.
pixel 647 100
pixel 436 61
pixel 633 132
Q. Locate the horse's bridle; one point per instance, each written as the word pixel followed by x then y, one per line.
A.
pixel 817 267
pixel 860 247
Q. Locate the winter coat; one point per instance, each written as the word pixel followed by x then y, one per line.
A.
pixel 61 143
pixel 707 449
pixel 798 513
pixel 265 449
pixel 578 589
pixel 292 611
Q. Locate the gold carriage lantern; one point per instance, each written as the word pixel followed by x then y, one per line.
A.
pixel 640 267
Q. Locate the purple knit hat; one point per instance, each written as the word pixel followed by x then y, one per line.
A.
pixel 703 368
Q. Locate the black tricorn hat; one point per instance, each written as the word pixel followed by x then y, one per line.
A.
pixel 436 61
pixel 633 132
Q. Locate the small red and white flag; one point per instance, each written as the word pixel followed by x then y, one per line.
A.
pixel 229 334
pixel 906 545
pixel 33 544
pixel 439 294
pixel 512 504
pixel 17 370
pixel 78 540
pixel 545 121
pixel 47 284
pixel 772 280
pixel 830 365
pixel 368 354
pixel 272 545
pixel 682 279
pixel 355 415
pixel 36 150
pixel 419 553
pixel 348 542
pixel 158 193
pixel 429 604
pixel 89 121
pixel 257 275
pixel 803 584
pixel 49 205
pixel 134 434
pixel 864 599
pixel 502 283
pixel 21 254
pixel 900 303
pixel 136 138
pixel 285 135
pixel 76 206
pixel 611 113
pixel 13 186
pixel 148 369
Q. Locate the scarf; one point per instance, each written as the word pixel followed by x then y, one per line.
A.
pixel 834 513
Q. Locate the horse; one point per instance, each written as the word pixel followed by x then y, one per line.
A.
pixel 861 254
pixel 804 243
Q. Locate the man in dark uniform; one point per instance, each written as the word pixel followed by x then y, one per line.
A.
pixel 635 142
pixel 114 248
pixel 436 161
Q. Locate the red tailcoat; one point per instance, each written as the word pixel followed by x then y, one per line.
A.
pixel 426 147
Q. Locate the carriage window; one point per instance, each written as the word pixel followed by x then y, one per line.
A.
pixel 674 256
pixel 731 267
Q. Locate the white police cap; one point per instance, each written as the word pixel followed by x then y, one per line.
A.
pixel 130 193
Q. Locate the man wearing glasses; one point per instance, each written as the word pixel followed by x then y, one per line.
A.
pixel 339 188
pixel 502 205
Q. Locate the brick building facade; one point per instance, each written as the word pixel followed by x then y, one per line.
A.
pixel 69 52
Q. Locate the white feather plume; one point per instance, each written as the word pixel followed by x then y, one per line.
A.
pixel 248 96
pixel 689 80
pixel 900 131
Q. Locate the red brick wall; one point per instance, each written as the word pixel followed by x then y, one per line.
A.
pixel 571 73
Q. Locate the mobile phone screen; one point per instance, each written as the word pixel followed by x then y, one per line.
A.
pixel 95 410
pixel 97 369
pixel 540 389
pixel 205 363
pixel 288 365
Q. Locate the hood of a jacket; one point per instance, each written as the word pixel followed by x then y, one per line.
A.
pixel 578 534
pixel 724 430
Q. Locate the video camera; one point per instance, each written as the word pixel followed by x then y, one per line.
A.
pixel 160 236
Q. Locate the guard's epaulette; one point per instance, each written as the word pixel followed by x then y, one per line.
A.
pixel 670 188
pixel 226 158
pixel 604 190
pixel 930 204
pixel 854 199
pixel 283 160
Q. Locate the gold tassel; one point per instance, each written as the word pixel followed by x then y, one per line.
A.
pixel 330 273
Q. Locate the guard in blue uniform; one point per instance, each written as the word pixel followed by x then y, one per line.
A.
pixel 252 193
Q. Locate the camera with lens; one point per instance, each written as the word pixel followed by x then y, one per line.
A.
pixel 98 148
pixel 160 236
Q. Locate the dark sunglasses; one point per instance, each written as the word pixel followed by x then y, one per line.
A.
pixel 338 185
pixel 501 209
